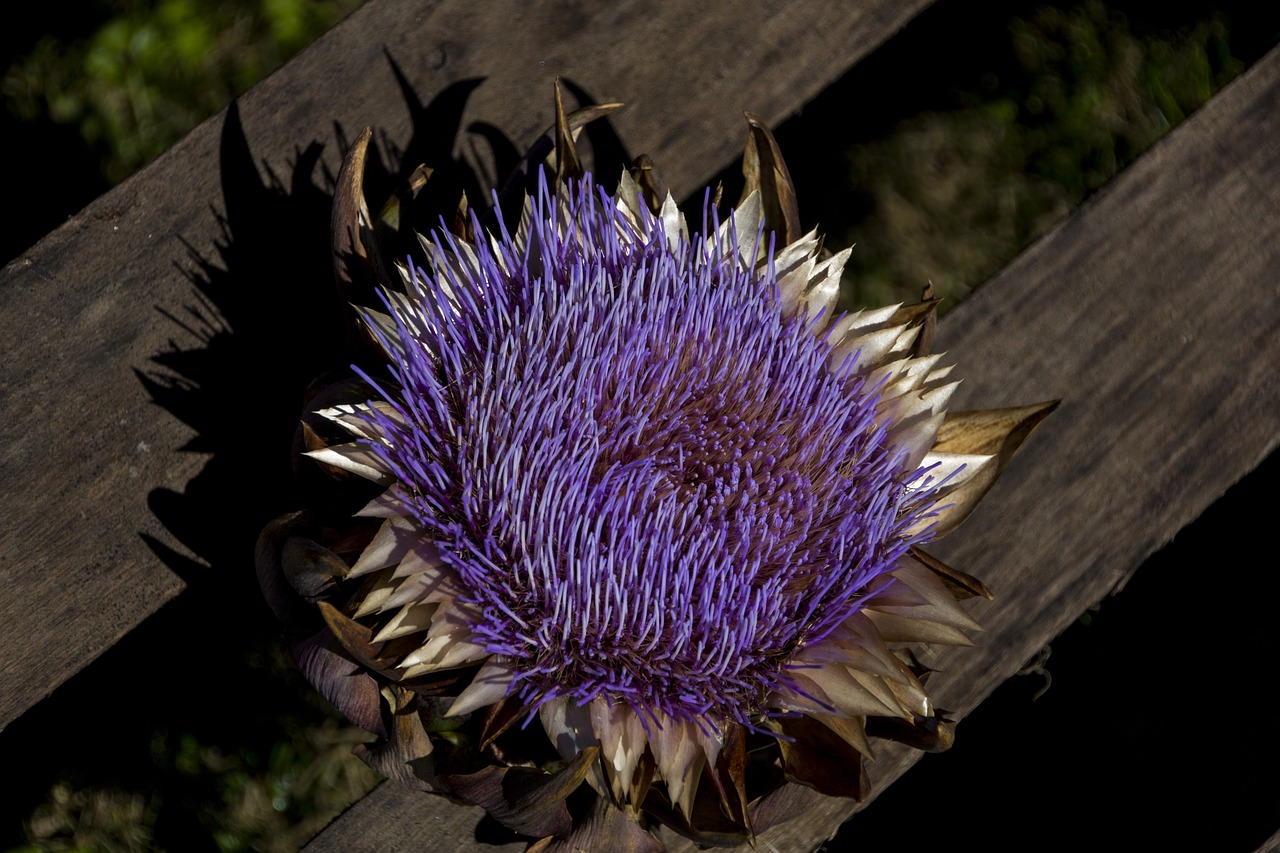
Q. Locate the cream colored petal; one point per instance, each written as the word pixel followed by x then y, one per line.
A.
pixel 938 396
pixel 915 574
pixel 879 687
pixel 490 686
pixel 447 644
pixel 938 376
pixel 622 742
pixel 463 258
pixel 629 199
pixel 568 726
pixel 431 585
pixel 806 697
pixel 355 457
pixel 437 263
pixel 437 584
pixel 962 492
pixel 912 696
pixel 680 759
pixel 354 418
pixel 916 405
pixel 570 730
pixel 854 693
pixel 850 653
pixel 376 596
pixel 408 281
pixel 410 619
pixel 902 376
pixel 862 322
pixel 823 287
pixel 710 738
pixel 941 619
pixel 914 440
pixel 867 352
pixel 525 229
pixel 745 226
pixel 406 309
pixel 801 254
pixel 394 539
pixel 791 287
pixel 673 222
pixel 905 344
pixel 904 629
pixel 955 468
pixel 830 690
pixel 941 608
pixel 853 730
pixel 895 594
pixel 864 351
pixel 389 504
pixel 424 556
pixel 382 328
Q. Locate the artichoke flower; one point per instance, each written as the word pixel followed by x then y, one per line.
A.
pixel 631 518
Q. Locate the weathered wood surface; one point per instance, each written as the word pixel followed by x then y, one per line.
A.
pixel 88 460
pixel 1154 313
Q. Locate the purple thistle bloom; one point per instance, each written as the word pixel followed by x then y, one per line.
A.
pixel 649 489
pixel 651 484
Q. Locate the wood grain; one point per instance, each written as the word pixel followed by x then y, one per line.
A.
pixel 1154 313
pixel 89 460
pixel 449 828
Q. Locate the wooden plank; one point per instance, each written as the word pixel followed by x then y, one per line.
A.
pixel 1154 313
pixel 451 828
pixel 88 460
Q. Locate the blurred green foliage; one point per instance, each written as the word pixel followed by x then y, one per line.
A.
pixel 1070 99
pixel 195 778
pixel 156 69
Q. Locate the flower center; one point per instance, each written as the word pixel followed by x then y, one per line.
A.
pixel 651 484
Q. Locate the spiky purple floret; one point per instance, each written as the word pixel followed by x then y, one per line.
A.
pixel 650 483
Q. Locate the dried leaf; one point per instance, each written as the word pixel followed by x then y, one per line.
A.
pixel 523 799
pixel 960 585
pixel 995 432
pixel 934 733
pixel 500 717
pixel 513 188
pixel 567 163
pixel 650 183
pixel 311 568
pixel 340 680
pixel 604 828
pixel 280 596
pixel 817 757
pixel 783 803
pixel 728 777
pixel 707 826
pixel 389 217
pixel 357 263
pixel 358 641
pixel 766 171
pixel 918 314
pixel 924 344
pixel 405 754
